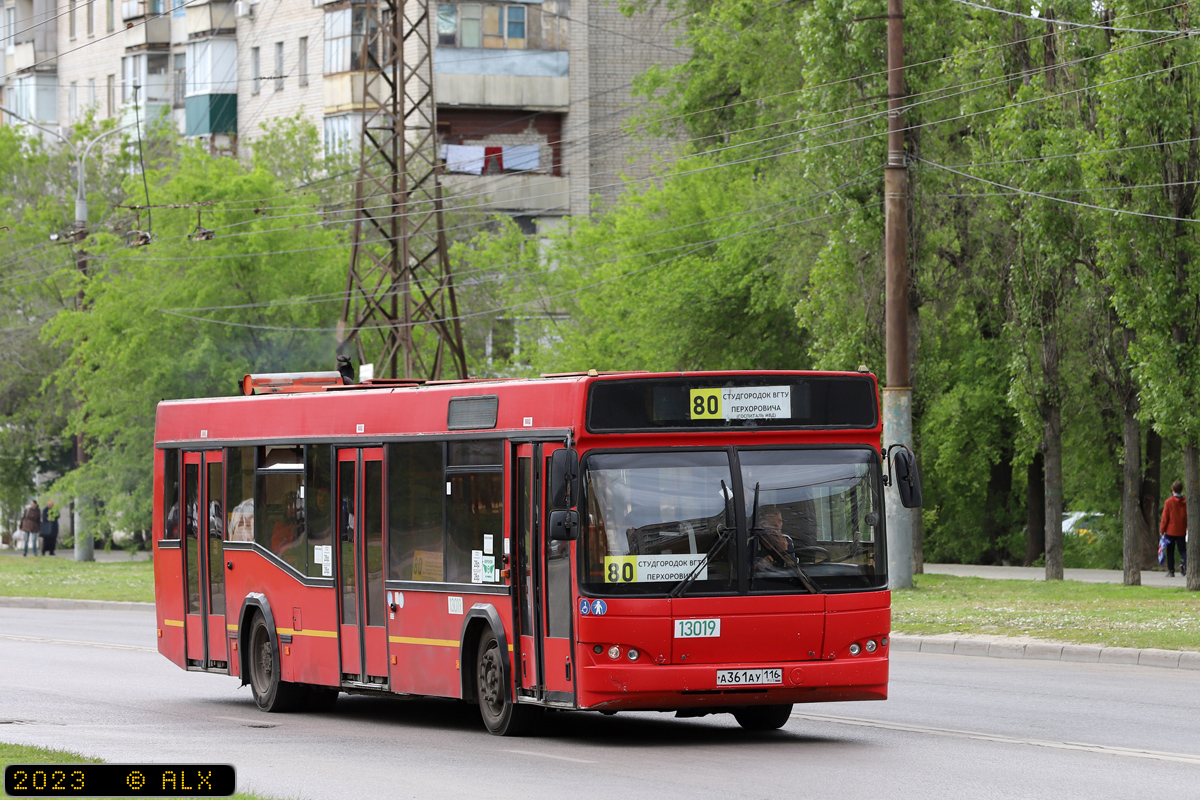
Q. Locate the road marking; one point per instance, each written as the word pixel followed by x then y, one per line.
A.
pixel 1182 758
pixel 548 755
pixel 106 645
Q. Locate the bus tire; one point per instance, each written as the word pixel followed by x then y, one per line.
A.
pixel 271 692
pixel 763 718
pixel 501 715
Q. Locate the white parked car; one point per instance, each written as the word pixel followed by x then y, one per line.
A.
pixel 1081 523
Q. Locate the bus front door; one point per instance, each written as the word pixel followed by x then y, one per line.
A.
pixel 542 577
pixel 363 616
pixel 204 558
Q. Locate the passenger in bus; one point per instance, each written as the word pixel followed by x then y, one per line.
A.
pixel 241 521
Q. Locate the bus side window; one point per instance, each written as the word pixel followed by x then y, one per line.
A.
pixel 239 494
pixel 415 475
pixel 279 504
pixel 170 494
pixel 318 502
pixel 474 508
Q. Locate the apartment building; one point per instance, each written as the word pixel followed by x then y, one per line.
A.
pixel 532 95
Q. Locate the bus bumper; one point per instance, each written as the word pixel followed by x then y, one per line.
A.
pixel 616 687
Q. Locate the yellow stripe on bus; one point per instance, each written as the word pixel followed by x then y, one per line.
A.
pixel 232 626
pixel 323 634
pixel 412 640
pixel 174 623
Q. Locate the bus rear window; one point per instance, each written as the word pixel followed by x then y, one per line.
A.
pixel 716 402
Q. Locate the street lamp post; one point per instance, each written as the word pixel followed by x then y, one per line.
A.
pixel 83 544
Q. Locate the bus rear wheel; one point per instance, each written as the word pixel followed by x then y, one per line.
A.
pixel 763 718
pixel 501 715
pixel 271 692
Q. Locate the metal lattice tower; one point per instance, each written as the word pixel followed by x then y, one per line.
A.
pixel 400 291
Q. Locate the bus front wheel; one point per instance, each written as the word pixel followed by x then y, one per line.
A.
pixel 763 718
pixel 501 715
pixel 271 692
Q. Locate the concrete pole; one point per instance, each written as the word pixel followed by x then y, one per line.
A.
pixel 897 395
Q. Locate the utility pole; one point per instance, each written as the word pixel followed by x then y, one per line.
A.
pixel 897 394
pixel 400 291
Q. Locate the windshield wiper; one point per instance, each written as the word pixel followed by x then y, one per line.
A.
pixel 787 560
pixel 725 532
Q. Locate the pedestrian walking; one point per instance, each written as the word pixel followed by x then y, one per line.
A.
pixel 49 530
pixel 31 524
pixel 1174 527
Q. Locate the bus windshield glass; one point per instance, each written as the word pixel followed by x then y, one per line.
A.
pixel 819 512
pixel 652 517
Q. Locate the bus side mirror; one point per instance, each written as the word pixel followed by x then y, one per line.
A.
pixel 905 477
pixel 564 526
pixel 564 478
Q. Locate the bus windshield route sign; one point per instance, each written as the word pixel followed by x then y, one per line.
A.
pixel 741 402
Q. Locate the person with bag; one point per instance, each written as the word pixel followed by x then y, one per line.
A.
pixel 31 524
pixel 1174 528
pixel 49 530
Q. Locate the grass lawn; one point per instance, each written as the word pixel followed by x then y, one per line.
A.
pixel 1061 611
pixel 25 754
pixel 61 577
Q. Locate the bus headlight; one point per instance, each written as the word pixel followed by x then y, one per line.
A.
pixel 633 654
pixel 855 649
pixel 871 645
pixel 614 652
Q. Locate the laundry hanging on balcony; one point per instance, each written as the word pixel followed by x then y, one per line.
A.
pixel 463 158
pixel 521 157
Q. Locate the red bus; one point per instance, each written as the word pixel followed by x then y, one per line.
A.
pixel 691 542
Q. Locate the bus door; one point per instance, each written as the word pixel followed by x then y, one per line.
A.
pixel 543 586
pixel 204 557
pixel 363 616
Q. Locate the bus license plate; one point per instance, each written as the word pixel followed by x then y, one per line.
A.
pixel 748 677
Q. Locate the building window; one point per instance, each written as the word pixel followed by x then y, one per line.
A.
pixel 514 32
pixel 158 7
pixel 344 30
pixel 71 18
pixel 92 94
pixel 279 66
pixel 337 134
pixel 10 25
pixel 472 25
pixel 91 17
pixel 110 12
pixel 73 103
pixel 111 95
pixel 447 25
pixel 255 72
pixel 179 84
pixel 177 9
pixel 302 61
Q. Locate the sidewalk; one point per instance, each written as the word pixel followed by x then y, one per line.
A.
pixel 1157 579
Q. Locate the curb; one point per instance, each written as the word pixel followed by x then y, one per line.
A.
pixel 56 602
pixel 1047 651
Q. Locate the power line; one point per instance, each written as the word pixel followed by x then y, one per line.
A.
pixel 1188 31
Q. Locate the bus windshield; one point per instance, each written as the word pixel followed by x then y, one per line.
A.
pixel 652 517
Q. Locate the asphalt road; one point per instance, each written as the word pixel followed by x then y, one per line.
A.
pixel 91 681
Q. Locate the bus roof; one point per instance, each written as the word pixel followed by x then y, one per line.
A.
pixel 552 405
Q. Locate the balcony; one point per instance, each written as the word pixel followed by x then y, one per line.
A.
pixel 344 91
pixel 25 56
pixel 155 30
pixel 208 17
pixel 133 9
pixel 524 194
pixel 535 79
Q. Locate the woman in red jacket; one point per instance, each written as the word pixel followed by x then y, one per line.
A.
pixel 1174 527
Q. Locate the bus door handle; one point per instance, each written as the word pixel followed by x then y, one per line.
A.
pixel 229 566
